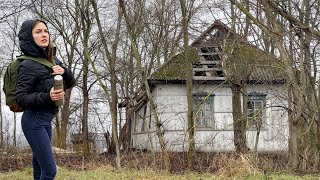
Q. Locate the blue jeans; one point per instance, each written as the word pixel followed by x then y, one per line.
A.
pixel 37 129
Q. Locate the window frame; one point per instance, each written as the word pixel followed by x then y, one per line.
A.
pixel 198 100
pixel 253 100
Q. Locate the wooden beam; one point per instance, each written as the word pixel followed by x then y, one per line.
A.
pixel 205 78
pixel 208 62
pixel 207 69
pixel 209 53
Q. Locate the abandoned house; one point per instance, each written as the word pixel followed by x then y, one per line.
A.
pixel 220 59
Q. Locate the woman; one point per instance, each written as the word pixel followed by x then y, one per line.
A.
pixel 36 95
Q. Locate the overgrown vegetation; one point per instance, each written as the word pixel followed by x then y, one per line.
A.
pixel 96 32
pixel 140 165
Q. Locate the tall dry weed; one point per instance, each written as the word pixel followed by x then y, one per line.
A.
pixel 241 166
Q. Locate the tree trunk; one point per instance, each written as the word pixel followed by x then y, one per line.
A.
pixel 108 140
pixel 15 130
pixel 63 128
pixel 142 72
pixel 57 138
pixel 313 157
pixel 239 123
pixel 124 135
pixel 189 83
pixel 85 110
pixel 300 118
pixel 113 97
pixel 86 29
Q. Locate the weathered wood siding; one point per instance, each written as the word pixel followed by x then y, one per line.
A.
pixel 171 102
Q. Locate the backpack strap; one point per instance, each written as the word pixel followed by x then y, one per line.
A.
pixel 38 60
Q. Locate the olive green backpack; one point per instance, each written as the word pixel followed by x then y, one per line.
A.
pixel 10 80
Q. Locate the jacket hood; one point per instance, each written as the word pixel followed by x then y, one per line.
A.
pixel 26 41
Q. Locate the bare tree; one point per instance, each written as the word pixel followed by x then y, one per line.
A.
pixel 111 57
pixel 77 16
pixel 302 108
pixel 189 82
pixel 12 23
pixel 142 72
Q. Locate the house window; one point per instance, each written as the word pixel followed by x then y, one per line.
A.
pixel 203 105
pixel 256 111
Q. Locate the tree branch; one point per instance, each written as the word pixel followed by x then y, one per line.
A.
pixel 309 30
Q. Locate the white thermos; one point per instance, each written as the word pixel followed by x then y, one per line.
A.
pixel 58 84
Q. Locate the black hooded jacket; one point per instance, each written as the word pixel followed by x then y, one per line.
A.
pixel 35 80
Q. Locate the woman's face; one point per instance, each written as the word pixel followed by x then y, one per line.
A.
pixel 40 34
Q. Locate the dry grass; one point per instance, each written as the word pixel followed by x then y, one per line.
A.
pixel 241 166
pixel 146 165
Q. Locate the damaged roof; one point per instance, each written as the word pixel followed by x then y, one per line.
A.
pixel 219 54
pixel 175 68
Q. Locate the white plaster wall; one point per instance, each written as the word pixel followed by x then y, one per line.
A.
pixel 171 102
pixel 274 136
pixel 140 141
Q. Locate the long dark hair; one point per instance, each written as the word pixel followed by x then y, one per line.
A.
pixel 51 51
pixel 51 48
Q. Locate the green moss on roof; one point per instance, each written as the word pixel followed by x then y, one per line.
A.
pixel 175 68
pixel 246 62
pixel 248 54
